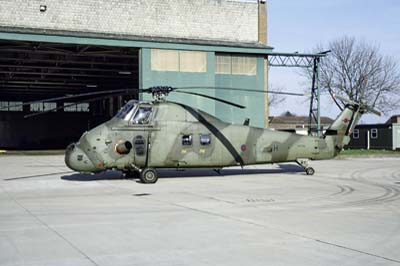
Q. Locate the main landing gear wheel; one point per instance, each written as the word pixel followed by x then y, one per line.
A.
pixel 310 171
pixel 149 176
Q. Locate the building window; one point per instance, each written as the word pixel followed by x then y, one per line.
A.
pixel 187 140
pixel 205 139
pixel 42 107
pixel 164 60
pixel 374 133
pixel 11 106
pixel 191 61
pixel 36 107
pixel 223 64
pixel 356 134
pixel 244 65
pixel 50 107
pixel 79 107
pixel 235 64
pixel 182 61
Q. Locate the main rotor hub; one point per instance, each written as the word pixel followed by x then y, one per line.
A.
pixel 159 93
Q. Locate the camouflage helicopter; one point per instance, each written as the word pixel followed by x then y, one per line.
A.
pixel 147 135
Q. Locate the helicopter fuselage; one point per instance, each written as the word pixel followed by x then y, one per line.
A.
pixel 173 135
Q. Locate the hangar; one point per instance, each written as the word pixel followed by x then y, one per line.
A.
pixel 60 48
pixel 57 48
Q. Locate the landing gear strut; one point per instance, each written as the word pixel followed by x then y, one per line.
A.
pixel 304 164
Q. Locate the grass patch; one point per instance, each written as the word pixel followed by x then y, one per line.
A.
pixel 370 152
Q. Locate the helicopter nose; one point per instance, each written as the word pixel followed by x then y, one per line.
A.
pixel 77 160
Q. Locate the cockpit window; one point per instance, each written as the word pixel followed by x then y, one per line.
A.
pixel 142 115
pixel 126 109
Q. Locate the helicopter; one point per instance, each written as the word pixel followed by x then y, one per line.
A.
pixel 148 135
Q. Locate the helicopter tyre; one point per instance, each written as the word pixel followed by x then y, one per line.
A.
pixel 149 176
pixel 310 171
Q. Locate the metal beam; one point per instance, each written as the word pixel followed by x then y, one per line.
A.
pixel 151 43
pixel 292 59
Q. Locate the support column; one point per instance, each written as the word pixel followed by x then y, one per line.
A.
pixel 315 103
pixel 262 38
pixel 262 21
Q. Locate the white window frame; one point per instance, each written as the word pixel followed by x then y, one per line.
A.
pixel 356 134
pixel 374 133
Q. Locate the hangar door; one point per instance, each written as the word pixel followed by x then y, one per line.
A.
pixel 36 70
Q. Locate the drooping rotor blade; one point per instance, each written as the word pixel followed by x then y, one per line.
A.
pixel 72 104
pixel 75 96
pixel 39 175
pixel 364 106
pixel 242 89
pixel 335 100
pixel 212 98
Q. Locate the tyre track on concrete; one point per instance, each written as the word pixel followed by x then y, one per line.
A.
pixel 390 192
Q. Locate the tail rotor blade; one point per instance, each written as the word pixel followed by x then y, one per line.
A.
pixel 363 106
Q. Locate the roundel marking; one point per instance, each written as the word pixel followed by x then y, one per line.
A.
pixel 243 147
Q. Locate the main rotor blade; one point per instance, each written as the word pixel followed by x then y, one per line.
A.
pixel 247 90
pixel 335 100
pixel 74 96
pixel 212 98
pixel 39 175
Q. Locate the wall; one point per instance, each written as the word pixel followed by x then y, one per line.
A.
pixel 383 141
pixel 224 20
pixel 254 102
pixel 149 78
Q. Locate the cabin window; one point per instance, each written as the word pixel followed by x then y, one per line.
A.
pixel 187 140
pixel 142 115
pixel 356 134
pixel 126 109
pixel 205 139
pixel 374 133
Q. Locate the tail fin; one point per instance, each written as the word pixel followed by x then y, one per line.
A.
pixel 344 124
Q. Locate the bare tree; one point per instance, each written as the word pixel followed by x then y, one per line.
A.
pixel 356 70
pixel 275 99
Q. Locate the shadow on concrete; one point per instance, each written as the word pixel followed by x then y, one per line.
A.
pixel 194 172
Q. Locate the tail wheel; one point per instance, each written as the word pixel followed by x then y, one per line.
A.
pixel 310 171
pixel 149 176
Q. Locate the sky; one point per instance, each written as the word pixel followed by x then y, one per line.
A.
pixel 300 25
